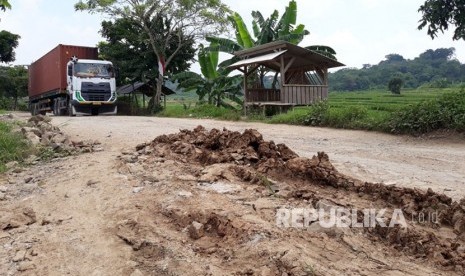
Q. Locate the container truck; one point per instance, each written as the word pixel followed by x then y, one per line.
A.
pixel 71 80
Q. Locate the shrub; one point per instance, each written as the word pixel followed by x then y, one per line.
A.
pixel 445 112
pixel 318 114
pixel 395 84
pixel 211 111
pixel 13 147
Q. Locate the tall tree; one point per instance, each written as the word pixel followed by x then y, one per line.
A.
pixel 8 41
pixel 192 18
pixel 13 83
pixel 439 14
pixel 128 47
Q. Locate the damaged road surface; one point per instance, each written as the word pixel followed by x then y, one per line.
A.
pixel 218 202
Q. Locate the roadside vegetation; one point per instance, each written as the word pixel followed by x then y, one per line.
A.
pixel 13 146
pixel 415 111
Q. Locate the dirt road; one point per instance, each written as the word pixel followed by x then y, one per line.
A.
pixel 374 157
pixel 116 212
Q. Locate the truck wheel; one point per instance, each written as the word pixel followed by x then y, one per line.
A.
pixel 71 111
pixel 33 109
pixel 55 107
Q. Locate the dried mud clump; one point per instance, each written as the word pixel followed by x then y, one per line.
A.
pixel 250 155
pixel 249 149
pixel 215 146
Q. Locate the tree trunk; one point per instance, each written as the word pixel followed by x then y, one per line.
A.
pixel 156 105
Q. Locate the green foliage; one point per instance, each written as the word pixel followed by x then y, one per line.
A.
pixel 13 86
pixel 445 112
pixel 197 18
pixel 318 114
pixel 13 147
pixel 4 4
pixel 395 84
pixel 265 31
pixel 200 111
pixel 128 47
pixel 428 67
pixel 8 42
pixel 439 14
pixel 215 86
pixel 295 116
pixel 414 112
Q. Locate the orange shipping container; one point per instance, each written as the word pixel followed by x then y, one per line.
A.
pixel 48 73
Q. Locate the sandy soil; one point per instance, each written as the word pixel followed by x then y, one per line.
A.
pixel 435 163
pixel 119 212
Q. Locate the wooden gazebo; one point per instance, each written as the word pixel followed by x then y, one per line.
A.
pixel 302 74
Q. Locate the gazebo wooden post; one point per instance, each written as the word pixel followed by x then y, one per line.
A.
pixel 283 78
pixel 246 92
pixel 325 95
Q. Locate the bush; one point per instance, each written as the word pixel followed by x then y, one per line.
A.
pixel 445 112
pixel 211 111
pixel 395 84
pixel 13 147
pixel 318 114
pixel 295 116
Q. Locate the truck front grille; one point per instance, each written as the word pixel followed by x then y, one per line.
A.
pixel 96 91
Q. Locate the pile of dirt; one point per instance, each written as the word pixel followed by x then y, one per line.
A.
pixel 251 158
pixel 249 149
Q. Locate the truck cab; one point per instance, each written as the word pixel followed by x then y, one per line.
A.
pixel 91 86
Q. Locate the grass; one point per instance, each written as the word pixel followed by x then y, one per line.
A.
pixel 13 147
pixel 413 111
pixel 191 110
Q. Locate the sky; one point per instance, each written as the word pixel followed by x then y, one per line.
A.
pixel 361 31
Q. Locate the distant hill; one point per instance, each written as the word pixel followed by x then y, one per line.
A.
pixel 433 68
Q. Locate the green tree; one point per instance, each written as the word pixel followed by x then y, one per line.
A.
pixel 438 15
pixel 13 83
pixel 395 84
pixel 264 31
pixel 215 86
pixel 191 18
pixel 8 42
pixel 4 5
pixel 128 47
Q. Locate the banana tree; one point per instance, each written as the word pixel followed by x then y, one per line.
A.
pixel 214 86
pixel 264 30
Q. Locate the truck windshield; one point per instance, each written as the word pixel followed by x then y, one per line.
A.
pixel 91 70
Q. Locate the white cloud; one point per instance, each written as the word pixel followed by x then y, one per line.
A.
pixel 361 31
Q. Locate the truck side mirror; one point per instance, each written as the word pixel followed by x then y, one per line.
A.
pixel 70 70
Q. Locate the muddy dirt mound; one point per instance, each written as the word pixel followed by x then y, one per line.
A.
pixel 278 161
pixel 216 146
pixel 254 160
